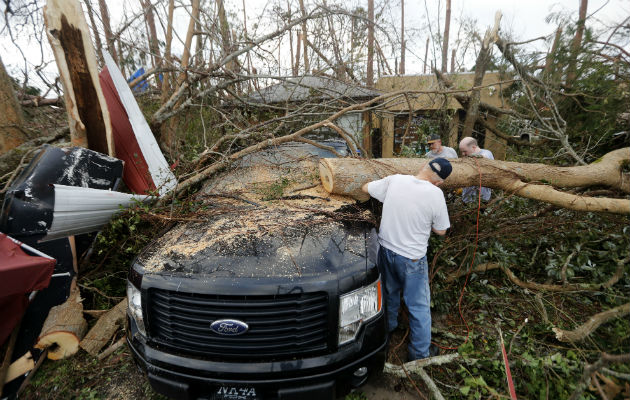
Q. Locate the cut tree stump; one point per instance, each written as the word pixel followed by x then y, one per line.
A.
pixel 104 329
pixel 70 40
pixel 64 327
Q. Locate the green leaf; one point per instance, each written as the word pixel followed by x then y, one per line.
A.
pixel 465 390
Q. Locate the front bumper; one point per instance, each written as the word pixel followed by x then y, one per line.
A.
pixel 321 377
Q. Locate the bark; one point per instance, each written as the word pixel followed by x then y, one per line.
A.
pixel 472 112
pixel 383 58
pixel 576 44
pixel 111 349
pixel 224 28
pixel 64 327
pixel 548 72
pixel 566 287
pixel 369 80
pixel 307 66
pixel 166 83
pixel 297 54
pixel 249 58
pixel 97 37
pixel 169 140
pixel 339 68
pixel 534 181
pixel 453 61
pixel 153 39
pixel 104 329
pixel 402 36
pixel 447 25
pixel 109 37
pixel 38 101
pixel 70 40
pixel 479 268
pixel 590 369
pixel 11 119
pixel 414 366
pixel 186 55
pixel 426 55
pixel 583 331
pixel 294 71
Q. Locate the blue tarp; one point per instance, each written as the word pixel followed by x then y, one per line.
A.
pixel 141 87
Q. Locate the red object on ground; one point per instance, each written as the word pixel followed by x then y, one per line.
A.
pixel 136 172
pixel 508 373
pixel 20 274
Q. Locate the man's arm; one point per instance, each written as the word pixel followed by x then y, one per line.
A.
pixel 439 232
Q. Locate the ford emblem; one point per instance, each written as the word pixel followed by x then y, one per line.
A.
pixel 229 327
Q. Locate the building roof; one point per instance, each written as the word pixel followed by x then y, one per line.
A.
pixel 492 92
pixel 310 88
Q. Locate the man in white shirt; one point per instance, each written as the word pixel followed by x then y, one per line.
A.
pixel 413 206
pixel 468 147
pixel 437 150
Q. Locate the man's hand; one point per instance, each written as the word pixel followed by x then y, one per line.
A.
pixel 365 188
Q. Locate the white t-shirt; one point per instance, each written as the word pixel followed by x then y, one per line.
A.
pixel 411 207
pixel 447 152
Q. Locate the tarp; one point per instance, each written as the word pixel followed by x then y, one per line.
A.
pixel 143 85
pixel 20 274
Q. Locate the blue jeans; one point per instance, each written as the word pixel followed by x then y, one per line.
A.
pixel 412 277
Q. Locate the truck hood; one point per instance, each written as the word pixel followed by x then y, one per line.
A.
pixel 277 244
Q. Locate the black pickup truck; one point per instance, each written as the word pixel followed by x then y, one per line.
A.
pixel 269 294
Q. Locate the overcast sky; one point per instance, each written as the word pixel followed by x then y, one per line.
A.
pixel 522 19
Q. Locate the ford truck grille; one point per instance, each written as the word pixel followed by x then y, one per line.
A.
pixel 279 326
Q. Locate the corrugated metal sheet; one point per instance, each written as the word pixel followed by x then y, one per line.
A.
pixel 149 151
pixel 80 210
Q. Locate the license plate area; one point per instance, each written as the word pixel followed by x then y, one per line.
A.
pixel 229 392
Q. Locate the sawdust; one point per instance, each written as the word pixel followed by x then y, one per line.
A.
pixel 239 211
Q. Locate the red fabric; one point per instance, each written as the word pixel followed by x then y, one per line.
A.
pixel 20 274
pixel 136 172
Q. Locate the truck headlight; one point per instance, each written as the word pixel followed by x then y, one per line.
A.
pixel 358 307
pixel 134 307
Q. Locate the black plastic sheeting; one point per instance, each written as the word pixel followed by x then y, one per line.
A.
pixel 29 202
pixel 27 213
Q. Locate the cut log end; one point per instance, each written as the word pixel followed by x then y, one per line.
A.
pixel 325 175
pixel 60 344
pixel 64 327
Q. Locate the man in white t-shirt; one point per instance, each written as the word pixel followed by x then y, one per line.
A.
pixel 469 148
pixel 413 206
pixel 437 150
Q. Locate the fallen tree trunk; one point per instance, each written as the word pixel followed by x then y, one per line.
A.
pixel 104 329
pixel 535 181
pixel 64 327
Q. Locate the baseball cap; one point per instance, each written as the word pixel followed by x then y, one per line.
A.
pixel 433 138
pixel 441 166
